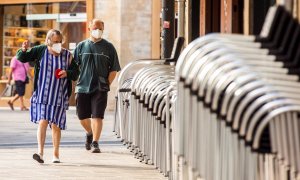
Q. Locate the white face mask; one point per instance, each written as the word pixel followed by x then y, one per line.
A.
pixel 56 47
pixel 96 33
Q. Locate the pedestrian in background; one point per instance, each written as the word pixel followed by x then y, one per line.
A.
pixel 54 70
pixel 18 72
pixel 98 62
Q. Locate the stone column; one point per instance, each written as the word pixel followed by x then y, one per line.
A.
pixel 128 27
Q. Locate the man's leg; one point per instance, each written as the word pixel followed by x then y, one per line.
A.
pixel 11 102
pixel 21 92
pixel 56 136
pixel 22 101
pixel 97 124
pixel 97 129
pixel 86 124
pixel 83 107
pixel 99 102
pixel 16 97
pixel 23 107
pixel 20 89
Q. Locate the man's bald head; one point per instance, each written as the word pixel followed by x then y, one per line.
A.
pixel 96 24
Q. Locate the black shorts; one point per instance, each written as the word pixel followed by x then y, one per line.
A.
pixel 20 87
pixel 91 105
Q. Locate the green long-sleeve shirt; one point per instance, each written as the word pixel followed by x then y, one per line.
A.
pixel 35 54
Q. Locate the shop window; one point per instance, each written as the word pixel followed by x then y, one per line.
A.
pixel 32 21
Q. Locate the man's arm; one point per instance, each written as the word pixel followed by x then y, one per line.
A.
pixel 111 77
pixel 115 66
pixel 12 67
pixel 10 75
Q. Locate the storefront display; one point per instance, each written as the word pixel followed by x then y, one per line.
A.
pixel 31 21
pixel 15 34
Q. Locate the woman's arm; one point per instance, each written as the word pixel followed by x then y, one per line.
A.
pixel 73 71
pixel 26 55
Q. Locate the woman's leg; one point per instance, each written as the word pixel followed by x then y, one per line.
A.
pixel 41 135
pixel 56 135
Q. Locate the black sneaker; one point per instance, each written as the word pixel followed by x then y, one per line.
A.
pixel 95 147
pixel 88 142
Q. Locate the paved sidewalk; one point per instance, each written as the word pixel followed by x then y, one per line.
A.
pixel 18 143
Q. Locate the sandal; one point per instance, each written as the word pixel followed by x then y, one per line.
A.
pixel 24 108
pixel 11 105
pixel 38 158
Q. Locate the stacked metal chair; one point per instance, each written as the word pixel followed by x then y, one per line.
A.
pixel 229 109
pixel 145 97
pixel 238 105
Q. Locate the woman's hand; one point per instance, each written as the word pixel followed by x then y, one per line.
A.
pixel 25 45
pixel 62 74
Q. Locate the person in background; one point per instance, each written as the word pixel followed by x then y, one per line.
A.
pixel 98 62
pixel 18 73
pixel 54 70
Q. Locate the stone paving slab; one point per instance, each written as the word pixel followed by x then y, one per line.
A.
pixel 76 163
pixel 18 143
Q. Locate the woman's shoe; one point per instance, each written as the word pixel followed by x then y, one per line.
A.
pixel 55 160
pixel 38 158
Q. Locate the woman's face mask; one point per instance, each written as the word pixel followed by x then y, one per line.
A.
pixel 96 33
pixel 56 47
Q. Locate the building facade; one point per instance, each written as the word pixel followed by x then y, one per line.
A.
pixel 134 27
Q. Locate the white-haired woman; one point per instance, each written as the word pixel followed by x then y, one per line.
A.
pixel 53 72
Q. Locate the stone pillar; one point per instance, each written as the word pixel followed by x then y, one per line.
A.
pixel 128 27
pixel 135 30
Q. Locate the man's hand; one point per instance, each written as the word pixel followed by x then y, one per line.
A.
pixel 25 45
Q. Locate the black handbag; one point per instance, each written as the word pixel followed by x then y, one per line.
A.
pixel 27 78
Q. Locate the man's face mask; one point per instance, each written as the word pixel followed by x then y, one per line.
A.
pixel 56 47
pixel 96 33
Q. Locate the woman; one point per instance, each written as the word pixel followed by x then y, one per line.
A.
pixel 19 73
pixel 49 101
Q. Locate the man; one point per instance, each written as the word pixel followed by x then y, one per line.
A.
pixel 19 73
pixel 99 64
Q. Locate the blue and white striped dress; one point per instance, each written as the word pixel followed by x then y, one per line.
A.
pixel 50 99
